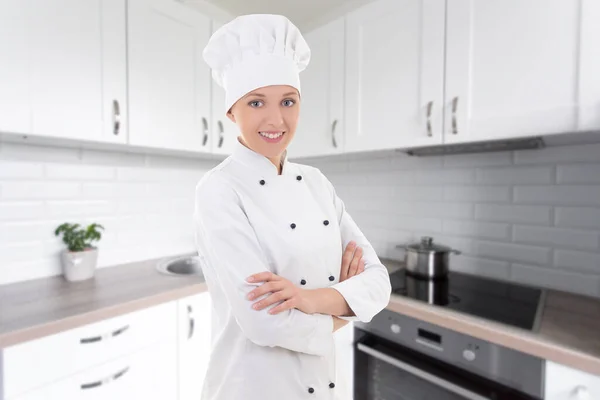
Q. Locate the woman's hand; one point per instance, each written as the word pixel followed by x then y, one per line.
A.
pixel 281 290
pixel 352 262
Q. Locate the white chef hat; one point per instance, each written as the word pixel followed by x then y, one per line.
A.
pixel 254 51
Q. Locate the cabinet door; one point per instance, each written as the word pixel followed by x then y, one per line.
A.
pixel 194 344
pixel 78 69
pixel 565 383
pixel 516 68
pixel 320 128
pixel 169 82
pixel 224 132
pixel 394 74
pixel 15 108
pixel 148 374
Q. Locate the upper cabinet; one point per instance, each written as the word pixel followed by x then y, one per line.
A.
pixel 63 72
pixel 517 68
pixel 394 74
pixel 169 82
pixel 320 128
pixel 224 131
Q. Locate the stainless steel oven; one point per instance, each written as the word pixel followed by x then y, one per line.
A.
pixel 400 358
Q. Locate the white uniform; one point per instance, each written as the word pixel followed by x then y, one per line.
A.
pixel 250 219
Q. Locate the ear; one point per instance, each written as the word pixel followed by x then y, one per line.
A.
pixel 231 116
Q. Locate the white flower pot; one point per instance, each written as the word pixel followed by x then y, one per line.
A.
pixel 79 265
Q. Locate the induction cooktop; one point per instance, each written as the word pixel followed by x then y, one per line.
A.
pixel 499 301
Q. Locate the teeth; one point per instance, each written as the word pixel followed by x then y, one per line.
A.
pixel 271 135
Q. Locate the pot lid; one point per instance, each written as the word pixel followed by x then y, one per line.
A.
pixel 427 245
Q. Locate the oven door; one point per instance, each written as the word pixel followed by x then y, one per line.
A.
pixel 387 371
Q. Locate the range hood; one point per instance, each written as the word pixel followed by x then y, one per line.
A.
pixel 478 147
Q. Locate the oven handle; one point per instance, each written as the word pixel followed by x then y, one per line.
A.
pixel 467 394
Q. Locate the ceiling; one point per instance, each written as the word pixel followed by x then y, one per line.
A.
pixel 306 14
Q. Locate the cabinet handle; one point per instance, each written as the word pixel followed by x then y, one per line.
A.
pixel 94 339
pixel 429 109
pixel 221 133
pixel 104 381
pixel 116 117
pixel 191 320
pixel 333 125
pixel 454 107
pixel 205 131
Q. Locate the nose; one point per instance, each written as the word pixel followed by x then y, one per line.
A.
pixel 276 118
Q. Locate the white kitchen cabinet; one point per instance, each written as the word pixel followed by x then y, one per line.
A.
pixel 224 131
pixel 194 344
pixel 565 383
pixel 150 374
pixel 517 68
pixel 63 70
pixel 169 82
pixel 344 343
pixel 320 128
pixel 394 74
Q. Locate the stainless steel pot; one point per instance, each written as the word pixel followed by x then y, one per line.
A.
pixel 428 260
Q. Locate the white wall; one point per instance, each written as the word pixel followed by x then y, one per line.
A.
pixel 144 202
pixel 526 216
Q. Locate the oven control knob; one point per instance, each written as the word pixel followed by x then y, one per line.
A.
pixel 395 328
pixel 469 355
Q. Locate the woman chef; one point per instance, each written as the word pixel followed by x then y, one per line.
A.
pixel 282 272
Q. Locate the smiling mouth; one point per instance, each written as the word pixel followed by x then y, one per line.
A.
pixel 271 134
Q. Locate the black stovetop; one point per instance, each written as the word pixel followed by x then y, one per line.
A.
pixel 495 300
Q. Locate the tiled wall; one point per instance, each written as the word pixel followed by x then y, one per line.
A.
pixel 527 216
pixel 144 202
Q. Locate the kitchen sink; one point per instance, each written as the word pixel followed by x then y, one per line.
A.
pixel 180 266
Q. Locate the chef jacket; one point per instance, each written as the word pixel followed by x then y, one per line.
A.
pixel 250 219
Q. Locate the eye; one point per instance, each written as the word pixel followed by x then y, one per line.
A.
pixel 255 103
pixel 288 102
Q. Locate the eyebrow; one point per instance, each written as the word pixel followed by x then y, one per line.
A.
pixel 262 95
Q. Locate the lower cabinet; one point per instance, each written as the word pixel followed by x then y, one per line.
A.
pixel 566 383
pixel 194 340
pixel 149 374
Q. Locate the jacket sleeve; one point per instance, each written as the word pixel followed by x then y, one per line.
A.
pixel 369 292
pixel 227 242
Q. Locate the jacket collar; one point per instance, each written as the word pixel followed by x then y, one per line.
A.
pixel 257 161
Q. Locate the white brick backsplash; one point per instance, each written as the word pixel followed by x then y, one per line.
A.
pixel 480 266
pixel 515 252
pixel 565 238
pixel 477 229
pixel 21 211
pixel 552 155
pixel 81 172
pixel 24 190
pixel 79 208
pixel 112 159
pixel 579 173
pixel 552 278
pixel 558 195
pixel 432 209
pixel 477 193
pixel 404 161
pixel 418 193
pixel 584 261
pixel 114 190
pixel 515 175
pixel 513 213
pixel 20 232
pixel 578 217
pixel 478 159
pixel 405 222
pixel 28 152
pixel 446 176
pixel 20 170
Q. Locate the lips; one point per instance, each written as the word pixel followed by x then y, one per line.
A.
pixel 271 136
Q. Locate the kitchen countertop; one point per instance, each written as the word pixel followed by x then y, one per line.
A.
pixel 32 309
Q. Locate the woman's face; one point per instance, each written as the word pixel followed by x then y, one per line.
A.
pixel 267 118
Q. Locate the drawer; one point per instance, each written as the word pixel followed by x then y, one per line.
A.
pixel 565 383
pixel 149 374
pixel 45 360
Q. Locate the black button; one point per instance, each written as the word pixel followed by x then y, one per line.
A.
pixel 303 282
pixel 331 278
pixel 299 177
pixel 326 222
pixel 332 385
pixel 293 226
pixel 262 182
pixel 311 390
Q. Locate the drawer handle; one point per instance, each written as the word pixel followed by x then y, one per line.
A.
pixel 221 133
pixel 192 322
pixel 116 117
pixel 94 339
pixel 204 131
pixel 333 140
pixel 454 109
pixel 104 381
pixel 429 109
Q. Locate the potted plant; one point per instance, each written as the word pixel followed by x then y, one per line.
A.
pixel 80 257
